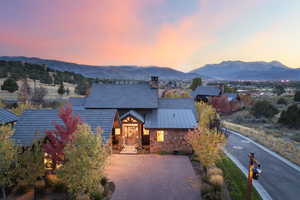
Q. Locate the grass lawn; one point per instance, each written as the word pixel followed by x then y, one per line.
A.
pixel 236 180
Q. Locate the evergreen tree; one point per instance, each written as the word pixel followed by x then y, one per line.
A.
pixel 297 96
pixel 10 85
pixel 61 90
pixel 196 82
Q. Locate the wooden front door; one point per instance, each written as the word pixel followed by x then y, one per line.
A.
pixel 131 133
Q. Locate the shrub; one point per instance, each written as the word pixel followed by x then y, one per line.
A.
pixel 214 171
pixel 216 180
pixel 291 117
pixel 10 85
pixel 263 109
pixel 282 101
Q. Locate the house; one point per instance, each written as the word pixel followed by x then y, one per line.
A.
pixel 7 117
pixel 138 118
pixel 204 93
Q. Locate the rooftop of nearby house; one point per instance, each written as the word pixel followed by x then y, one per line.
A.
pixel 206 91
pixel 7 116
pixel 33 123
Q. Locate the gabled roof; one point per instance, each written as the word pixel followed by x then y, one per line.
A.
pixel 77 103
pixel 134 114
pixel 177 103
pixel 33 121
pixel 206 91
pixel 171 118
pixel 7 117
pixel 126 96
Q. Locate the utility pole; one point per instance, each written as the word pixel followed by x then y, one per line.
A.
pixel 250 176
pixel 253 173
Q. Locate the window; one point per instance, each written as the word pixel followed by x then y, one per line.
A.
pixel 117 131
pixel 160 136
pixel 146 131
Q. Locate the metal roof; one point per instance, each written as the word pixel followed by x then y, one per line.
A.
pixel 206 91
pixel 171 118
pixel 33 121
pixel 124 96
pixel 178 103
pixel 77 103
pixel 133 114
pixel 231 96
pixel 7 116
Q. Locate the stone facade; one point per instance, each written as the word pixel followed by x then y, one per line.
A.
pixel 173 141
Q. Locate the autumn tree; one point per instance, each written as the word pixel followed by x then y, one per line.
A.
pixel 221 104
pixel 57 139
pixel 22 107
pixel 207 115
pixel 195 83
pixel 39 95
pixel 10 85
pixel 8 153
pixel 25 92
pixel 30 167
pixel 207 145
pixel 85 158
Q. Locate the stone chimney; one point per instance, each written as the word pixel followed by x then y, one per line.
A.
pixel 154 83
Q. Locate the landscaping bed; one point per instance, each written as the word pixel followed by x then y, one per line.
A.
pixel 235 180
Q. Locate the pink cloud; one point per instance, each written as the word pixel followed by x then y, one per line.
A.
pixel 108 32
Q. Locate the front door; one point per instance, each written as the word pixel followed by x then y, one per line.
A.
pixel 131 133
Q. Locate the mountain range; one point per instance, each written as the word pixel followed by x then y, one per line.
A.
pixel 239 70
pixel 123 72
pixel 226 70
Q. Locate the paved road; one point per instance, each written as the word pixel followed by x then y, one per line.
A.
pixel 279 179
pixel 153 177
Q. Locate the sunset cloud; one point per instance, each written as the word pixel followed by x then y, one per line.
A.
pixel 174 33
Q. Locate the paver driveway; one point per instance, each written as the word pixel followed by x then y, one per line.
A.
pixel 153 177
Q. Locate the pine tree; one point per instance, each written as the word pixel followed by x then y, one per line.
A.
pixel 10 85
pixel 61 90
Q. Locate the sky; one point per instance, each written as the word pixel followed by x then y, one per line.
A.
pixel 181 34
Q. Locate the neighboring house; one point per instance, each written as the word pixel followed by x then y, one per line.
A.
pixel 32 124
pixel 147 120
pixel 7 117
pixel 204 93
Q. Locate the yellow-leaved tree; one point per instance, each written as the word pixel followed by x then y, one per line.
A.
pixel 30 168
pixel 85 158
pixel 22 107
pixel 8 153
pixel 206 141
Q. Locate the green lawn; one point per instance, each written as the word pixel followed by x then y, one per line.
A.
pixel 236 180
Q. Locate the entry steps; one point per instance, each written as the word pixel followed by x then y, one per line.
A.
pixel 128 149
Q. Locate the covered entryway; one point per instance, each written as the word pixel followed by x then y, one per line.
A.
pixel 132 128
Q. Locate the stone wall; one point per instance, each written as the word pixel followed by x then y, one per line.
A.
pixel 173 141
